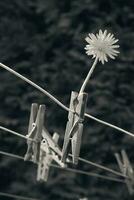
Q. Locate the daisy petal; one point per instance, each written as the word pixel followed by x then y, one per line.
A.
pixel 101 46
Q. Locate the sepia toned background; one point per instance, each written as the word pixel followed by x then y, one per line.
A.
pixel 44 41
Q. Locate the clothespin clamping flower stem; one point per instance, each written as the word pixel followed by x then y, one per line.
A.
pixel 100 46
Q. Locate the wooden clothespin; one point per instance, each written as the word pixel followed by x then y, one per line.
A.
pixel 49 151
pixel 35 132
pixel 126 169
pixel 74 127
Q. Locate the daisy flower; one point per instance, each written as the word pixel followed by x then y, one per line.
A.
pixel 102 46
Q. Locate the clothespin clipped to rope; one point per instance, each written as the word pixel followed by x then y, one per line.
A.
pixel 49 152
pixel 35 132
pixel 126 169
pixel 74 127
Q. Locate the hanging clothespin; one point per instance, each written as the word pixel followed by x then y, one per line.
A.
pixel 126 169
pixel 49 152
pixel 36 123
pixel 74 127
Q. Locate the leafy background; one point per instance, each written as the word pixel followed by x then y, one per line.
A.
pixel 44 41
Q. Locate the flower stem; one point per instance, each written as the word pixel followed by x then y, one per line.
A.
pixel 88 76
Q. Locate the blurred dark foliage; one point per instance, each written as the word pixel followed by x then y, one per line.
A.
pixel 44 40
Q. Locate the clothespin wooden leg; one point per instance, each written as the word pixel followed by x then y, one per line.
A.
pixel 38 135
pixel 65 149
pixel 33 113
pixel 126 169
pixel 76 144
pixel 78 120
pixel 47 155
pixel 40 165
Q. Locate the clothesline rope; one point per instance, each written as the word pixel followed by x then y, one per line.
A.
pixel 11 155
pixel 81 159
pixel 61 104
pixel 101 167
pixel 70 169
pixel 90 174
pixel 15 133
pixel 34 85
pixel 110 125
pixel 4 194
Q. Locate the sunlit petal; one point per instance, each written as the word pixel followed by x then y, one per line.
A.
pixel 101 45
